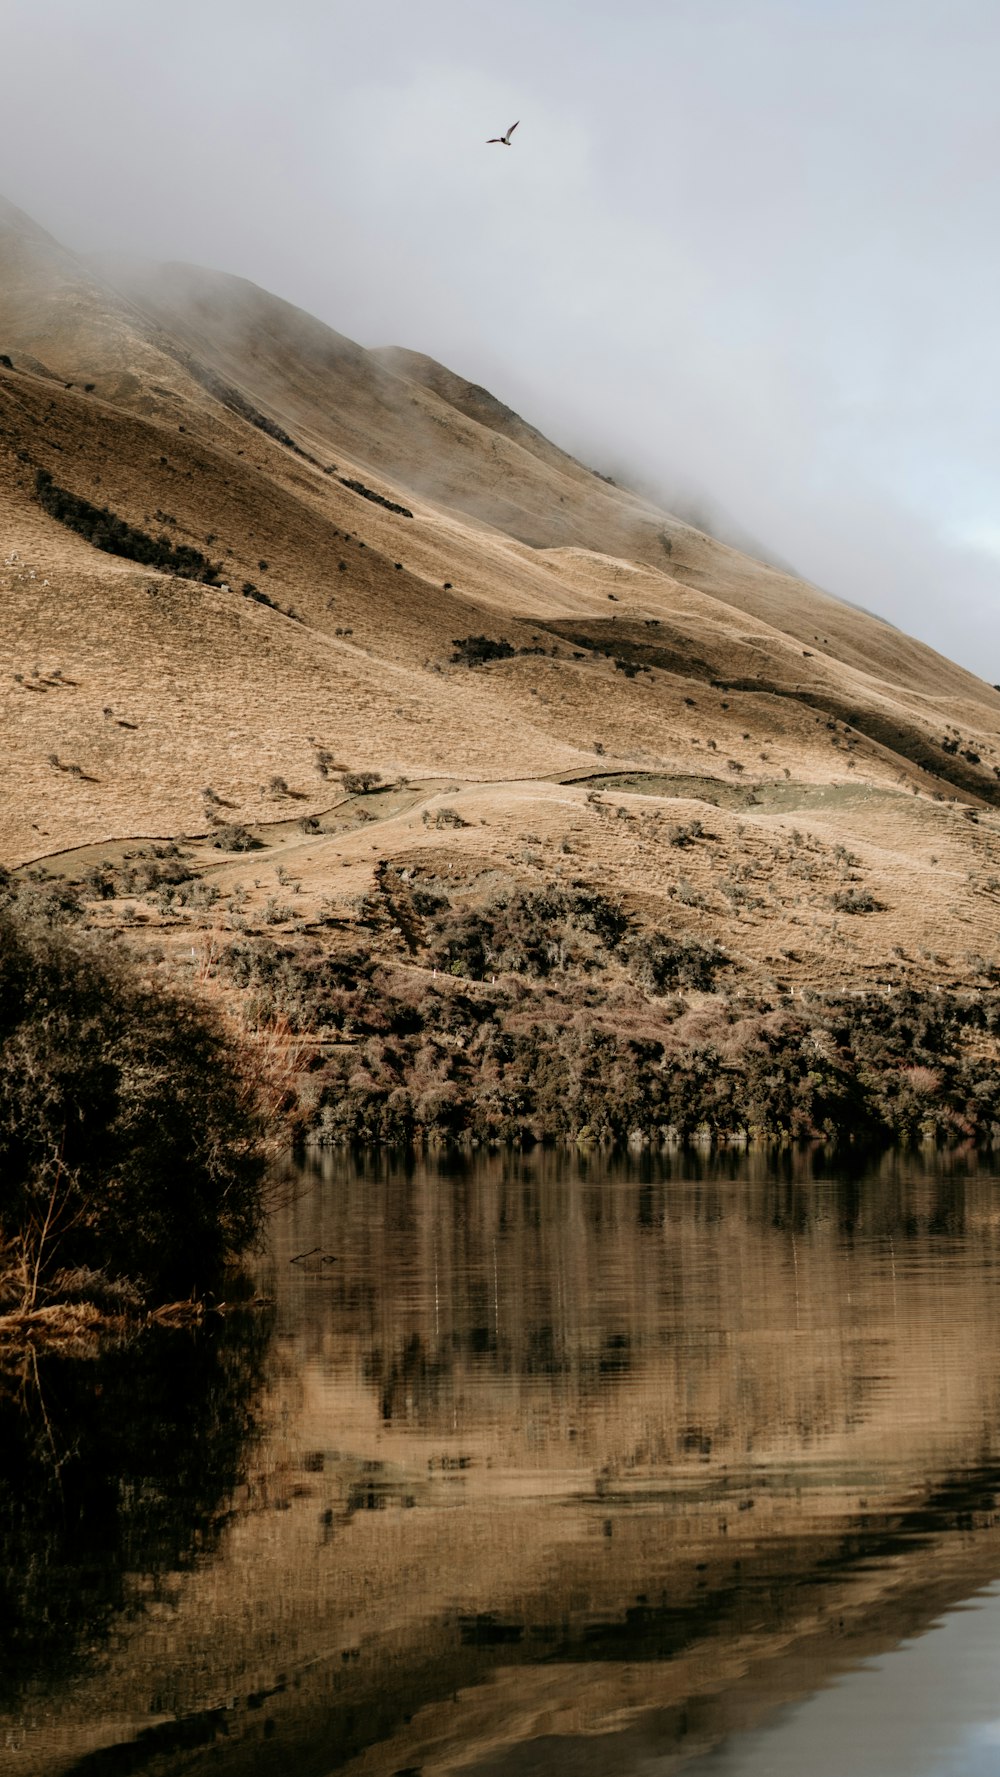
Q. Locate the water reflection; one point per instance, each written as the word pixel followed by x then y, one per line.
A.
pixel 576 1466
pixel 116 1473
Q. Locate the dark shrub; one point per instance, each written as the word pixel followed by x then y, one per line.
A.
pixel 367 493
pixel 659 963
pixel 250 591
pixel 233 837
pixel 106 531
pixel 475 650
pixel 532 931
pixel 128 1140
pixel 853 900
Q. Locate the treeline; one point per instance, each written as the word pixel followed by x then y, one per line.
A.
pixel 552 1017
pixel 497 1067
pixel 105 530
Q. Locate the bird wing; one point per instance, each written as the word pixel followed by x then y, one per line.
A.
pixel 490 139
pixel 510 132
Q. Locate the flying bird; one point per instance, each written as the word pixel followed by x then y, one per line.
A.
pixel 503 140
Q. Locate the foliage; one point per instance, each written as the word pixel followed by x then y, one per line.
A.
pixel 138 874
pixel 129 1141
pixel 367 493
pixel 476 650
pixel 543 1057
pixel 106 531
pixel 250 591
pixel 660 963
pixel 855 900
pixel 233 836
pixel 532 931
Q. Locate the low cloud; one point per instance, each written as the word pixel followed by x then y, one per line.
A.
pixel 745 249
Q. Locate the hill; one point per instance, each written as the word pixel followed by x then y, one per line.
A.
pixel 244 560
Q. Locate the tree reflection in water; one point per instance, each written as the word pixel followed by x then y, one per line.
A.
pixel 115 1473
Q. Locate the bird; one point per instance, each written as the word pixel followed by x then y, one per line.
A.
pixel 503 140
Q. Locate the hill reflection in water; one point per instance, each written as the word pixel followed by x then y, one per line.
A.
pixel 570 1464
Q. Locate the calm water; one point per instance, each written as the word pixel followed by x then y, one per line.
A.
pixel 538 1464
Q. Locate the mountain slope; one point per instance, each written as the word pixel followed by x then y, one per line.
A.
pixel 402 415
pixel 362 518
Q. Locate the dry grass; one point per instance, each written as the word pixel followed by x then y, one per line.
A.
pixel 125 695
pixel 73 1325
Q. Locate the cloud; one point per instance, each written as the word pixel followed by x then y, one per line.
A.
pixel 741 247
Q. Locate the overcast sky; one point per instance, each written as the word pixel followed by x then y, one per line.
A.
pixel 748 250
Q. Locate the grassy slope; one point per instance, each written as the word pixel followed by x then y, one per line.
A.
pixel 822 721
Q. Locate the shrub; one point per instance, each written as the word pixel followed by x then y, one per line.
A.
pixel 476 650
pixel 115 536
pixel 128 1141
pixel 367 493
pixel 361 783
pixel 533 931
pixel 250 591
pixel 686 833
pixel 231 836
pixel 659 963
pixel 854 900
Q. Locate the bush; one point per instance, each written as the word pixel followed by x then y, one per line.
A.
pixel 367 493
pixel 532 931
pixel 115 536
pixel 659 963
pixel 685 833
pixel 853 900
pixel 129 1143
pixel 476 650
pixel 231 836
pixel 361 783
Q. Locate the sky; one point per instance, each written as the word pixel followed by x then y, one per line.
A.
pixel 742 253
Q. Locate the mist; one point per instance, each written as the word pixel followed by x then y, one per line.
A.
pixel 741 251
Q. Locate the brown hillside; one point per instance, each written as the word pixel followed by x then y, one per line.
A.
pixel 650 675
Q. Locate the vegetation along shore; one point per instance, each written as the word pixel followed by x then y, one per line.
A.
pixel 377 772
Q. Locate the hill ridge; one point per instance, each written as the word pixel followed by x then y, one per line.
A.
pixel 409 580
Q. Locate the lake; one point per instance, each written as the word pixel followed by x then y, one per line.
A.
pixel 543 1462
